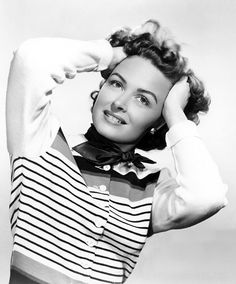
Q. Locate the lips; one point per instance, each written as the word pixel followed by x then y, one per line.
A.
pixel 114 118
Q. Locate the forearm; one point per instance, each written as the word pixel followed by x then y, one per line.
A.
pixel 197 192
pixel 38 65
pixel 201 190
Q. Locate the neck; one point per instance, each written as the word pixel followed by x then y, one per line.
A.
pixel 125 147
pixel 93 135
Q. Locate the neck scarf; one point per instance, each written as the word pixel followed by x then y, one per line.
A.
pixel 101 151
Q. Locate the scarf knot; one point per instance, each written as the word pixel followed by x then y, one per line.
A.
pixel 127 156
pixel 101 151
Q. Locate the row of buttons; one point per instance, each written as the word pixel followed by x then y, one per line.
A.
pixel 98 222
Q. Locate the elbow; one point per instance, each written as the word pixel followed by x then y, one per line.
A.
pixel 197 207
pixel 23 48
pixel 216 198
pixel 207 193
pixel 27 52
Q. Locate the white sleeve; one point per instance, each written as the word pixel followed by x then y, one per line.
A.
pixel 197 192
pixel 38 66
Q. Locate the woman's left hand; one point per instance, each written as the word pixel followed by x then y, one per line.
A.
pixel 175 103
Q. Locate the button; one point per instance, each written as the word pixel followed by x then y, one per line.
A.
pixel 106 167
pixel 103 187
pixel 85 263
pixel 99 222
pixel 91 243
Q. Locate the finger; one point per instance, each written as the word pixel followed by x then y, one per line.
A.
pixel 182 84
pixel 182 80
pixel 58 78
pixel 70 75
pixel 70 72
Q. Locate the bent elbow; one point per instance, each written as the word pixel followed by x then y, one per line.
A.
pixel 28 52
pixel 195 208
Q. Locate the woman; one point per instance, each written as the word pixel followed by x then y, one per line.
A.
pixel 81 211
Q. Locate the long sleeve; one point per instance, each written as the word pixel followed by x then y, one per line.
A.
pixel 197 192
pixel 38 66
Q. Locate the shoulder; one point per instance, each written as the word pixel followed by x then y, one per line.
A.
pixel 73 140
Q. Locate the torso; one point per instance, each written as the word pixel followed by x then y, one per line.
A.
pixel 76 222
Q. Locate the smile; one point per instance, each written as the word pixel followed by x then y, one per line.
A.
pixel 114 119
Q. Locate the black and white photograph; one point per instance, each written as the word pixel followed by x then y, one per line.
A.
pixel 118 136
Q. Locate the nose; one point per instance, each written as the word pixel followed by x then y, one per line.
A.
pixel 119 104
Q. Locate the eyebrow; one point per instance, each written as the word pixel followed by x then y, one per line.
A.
pixel 122 78
pixel 139 89
pixel 148 92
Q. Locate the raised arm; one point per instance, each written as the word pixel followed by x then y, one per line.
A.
pixel 197 192
pixel 37 67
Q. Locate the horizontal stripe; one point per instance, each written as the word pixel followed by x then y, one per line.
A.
pixel 44 256
pixel 132 214
pixel 64 233
pixel 132 205
pixel 63 162
pixel 53 244
pixel 59 213
pixel 66 199
pixel 129 222
pixel 104 249
pixel 124 246
pixel 56 213
pixel 14 180
pixel 15 160
pixel 39 271
pixel 82 193
pixel 115 234
pixel 116 226
pixel 13 224
pixel 13 214
pixel 127 251
pixel 50 172
pixel 16 197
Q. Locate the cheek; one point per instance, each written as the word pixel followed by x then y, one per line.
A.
pixel 102 99
pixel 142 122
pixel 148 118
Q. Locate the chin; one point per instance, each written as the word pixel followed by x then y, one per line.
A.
pixel 109 133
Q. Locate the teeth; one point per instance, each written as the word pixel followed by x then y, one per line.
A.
pixel 113 119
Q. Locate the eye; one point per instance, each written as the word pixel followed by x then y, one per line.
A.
pixel 143 100
pixel 115 84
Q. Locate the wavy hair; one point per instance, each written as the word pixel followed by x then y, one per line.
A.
pixel 151 42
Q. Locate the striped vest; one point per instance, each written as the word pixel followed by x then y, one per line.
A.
pixel 70 227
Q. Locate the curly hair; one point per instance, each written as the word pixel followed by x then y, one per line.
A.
pixel 164 54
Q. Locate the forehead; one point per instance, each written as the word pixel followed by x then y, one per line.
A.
pixel 141 73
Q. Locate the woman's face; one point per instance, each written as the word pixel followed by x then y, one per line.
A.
pixel 130 101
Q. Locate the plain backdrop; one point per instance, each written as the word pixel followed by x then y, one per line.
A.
pixel 205 253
